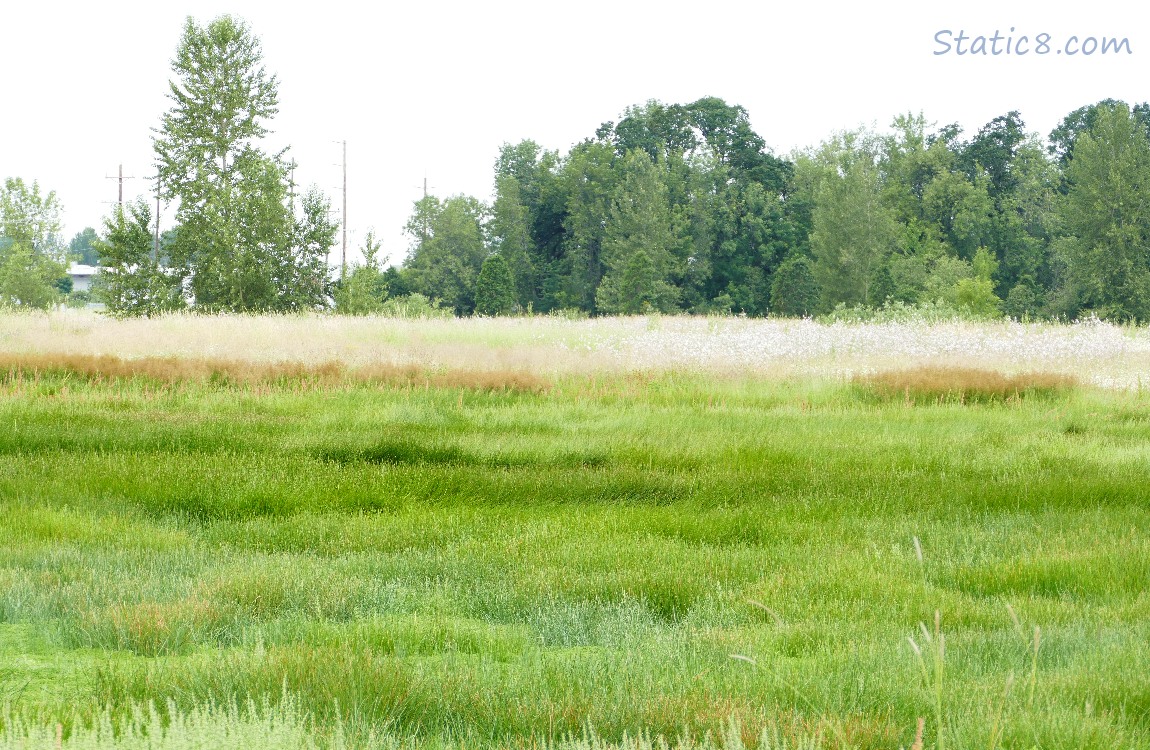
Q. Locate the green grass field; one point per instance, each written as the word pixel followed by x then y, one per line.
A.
pixel 601 560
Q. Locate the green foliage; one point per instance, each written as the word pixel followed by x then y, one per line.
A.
pixel 31 219
pixel 495 288
pixel 29 279
pixel 638 242
pixel 33 260
pixel 132 282
pixel 853 230
pixel 447 250
pixel 1108 217
pixel 511 239
pixel 238 245
pixel 794 290
pixel 365 289
pixel 681 207
pixel 82 248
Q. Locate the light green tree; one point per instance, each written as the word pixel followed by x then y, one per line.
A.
pixel 447 250
pixel 239 244
pixel 853 229
pixel 364 291
pixel 28 280
pixel 132 282
pixel 33 258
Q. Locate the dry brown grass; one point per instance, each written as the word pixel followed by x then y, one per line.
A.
pixel 16 367
pixel 962 385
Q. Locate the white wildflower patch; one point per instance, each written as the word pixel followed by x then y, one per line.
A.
pixel 1096 352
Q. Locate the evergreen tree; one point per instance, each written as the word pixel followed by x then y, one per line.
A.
pixel 365 289
pixel 495 288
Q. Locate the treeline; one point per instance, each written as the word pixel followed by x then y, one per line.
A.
pixel 681 208
pixel 674 208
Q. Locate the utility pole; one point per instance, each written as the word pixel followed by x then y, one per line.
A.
pixel 343 263
pixel 423 221
pixel 119 177
pixel 291 185
pixel 156 255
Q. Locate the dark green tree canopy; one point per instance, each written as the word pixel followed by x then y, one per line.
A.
pixel 681 207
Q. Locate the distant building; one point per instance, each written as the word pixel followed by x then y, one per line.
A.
pixel 82 276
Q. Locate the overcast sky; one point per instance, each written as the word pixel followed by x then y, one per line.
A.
pixel 436 88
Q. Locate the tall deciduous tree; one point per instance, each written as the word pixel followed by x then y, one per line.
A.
pixel 1107 212
pixel 854 231
pixel 511 238
pixel 447 250
pixel 639 242
pixel 32 255
pixel 239 245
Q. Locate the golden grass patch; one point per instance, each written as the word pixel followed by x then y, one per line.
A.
pixel 936 384
pixel 18 367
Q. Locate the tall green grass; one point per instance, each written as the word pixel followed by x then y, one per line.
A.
pixel 506 568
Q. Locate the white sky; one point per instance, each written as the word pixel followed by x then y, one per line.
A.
pixel 436 88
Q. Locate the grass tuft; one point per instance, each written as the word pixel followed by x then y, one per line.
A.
pixel 961 385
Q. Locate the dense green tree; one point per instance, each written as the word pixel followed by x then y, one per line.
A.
pixel 543 198
pixel 640 241
pixel 33 259
pixel 239 244
pixel 854 230
pixel 495 288
pixel 28 279
pixel 132 281
pixel 993 152
pixel 82 248
pixel 588 178
pixel 1063 138
pixel 1107 214
pixel 511 237
pixel 447 250
pixel 794 290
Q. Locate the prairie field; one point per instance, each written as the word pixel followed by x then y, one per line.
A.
pixel 225 532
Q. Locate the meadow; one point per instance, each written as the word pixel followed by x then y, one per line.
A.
pixel 703 533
